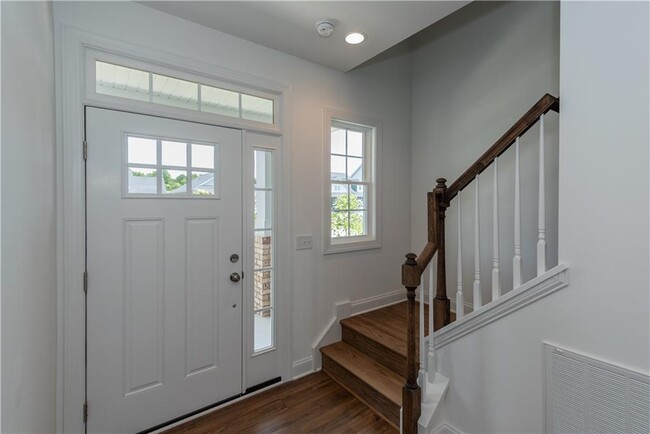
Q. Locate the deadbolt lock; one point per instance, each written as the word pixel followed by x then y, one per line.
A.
pixel 234 258
pixel 234 277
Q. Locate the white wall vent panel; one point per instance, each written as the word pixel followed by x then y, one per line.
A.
pixel 585 395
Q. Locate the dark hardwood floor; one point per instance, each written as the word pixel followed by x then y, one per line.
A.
pixel 313 404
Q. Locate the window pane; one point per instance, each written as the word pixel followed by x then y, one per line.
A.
pixel 358 223
pixel 174 181
pixel 174 153
pixel 220 101
pixel 355 169
pixel 263 209
pixel 174 92
pixel 338 141
pixel 358 197
pixel 141 151
pixel 340 199
pixel 263 330
pixel 337 167
pixel 263 250
pixel 340 224
pixel 203 183
pixel 203 156
pixel 263 169
pixel 142 180
pixel 122 82
pixel 256 108
pixel 355 143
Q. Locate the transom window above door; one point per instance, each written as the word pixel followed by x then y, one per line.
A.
pixel 119 81
pixel 170 168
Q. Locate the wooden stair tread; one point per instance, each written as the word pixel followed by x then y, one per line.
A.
pixel 385 381
pixel 386 326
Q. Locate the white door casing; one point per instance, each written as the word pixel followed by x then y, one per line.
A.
pixel 164 319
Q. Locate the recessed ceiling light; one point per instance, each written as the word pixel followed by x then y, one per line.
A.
pixel 355 38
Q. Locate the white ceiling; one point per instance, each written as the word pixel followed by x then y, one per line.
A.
pixel 290 26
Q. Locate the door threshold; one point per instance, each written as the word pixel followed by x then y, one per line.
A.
pixel 196 413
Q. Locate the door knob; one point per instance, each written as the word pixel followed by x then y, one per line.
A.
pixel 234 277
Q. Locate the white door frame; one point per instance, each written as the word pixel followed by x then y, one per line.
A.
pixel 71 47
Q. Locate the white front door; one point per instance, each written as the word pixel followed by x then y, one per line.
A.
pixel 164 221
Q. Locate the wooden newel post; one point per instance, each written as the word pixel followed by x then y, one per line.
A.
pixel 441 305
pixel 411 393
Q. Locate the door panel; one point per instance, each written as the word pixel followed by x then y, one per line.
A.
pixel 164 318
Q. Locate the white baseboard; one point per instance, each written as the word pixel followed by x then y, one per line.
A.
pixel 371 303
pixel 445 428
pixel 332 331
pixel 531 291
pixel 302 367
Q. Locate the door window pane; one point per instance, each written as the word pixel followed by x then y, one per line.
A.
pixel 203 156
pixel 142 180
pixel 263 209
pixel 141 150
pixel 263 337
pixel 203 183
pixel 174 181
pixel 174 153
pixel 263 169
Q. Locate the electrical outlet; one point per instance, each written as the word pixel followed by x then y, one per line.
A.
pixel 303 242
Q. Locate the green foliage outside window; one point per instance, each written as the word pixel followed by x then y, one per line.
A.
pixel 347 223
pixel 170 183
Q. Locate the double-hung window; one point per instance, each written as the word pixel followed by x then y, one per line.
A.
pixel 352 220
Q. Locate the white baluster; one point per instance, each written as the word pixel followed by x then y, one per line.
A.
pixel 460 305
pixel 516 260
pixel 541 227
pixel 423 379
pixel 478 302
pixel 496 281
pixel 431 360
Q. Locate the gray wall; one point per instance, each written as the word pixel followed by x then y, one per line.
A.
pixel 474 74
pixel 28 219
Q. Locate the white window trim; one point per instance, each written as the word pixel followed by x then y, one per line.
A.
pixel 374 238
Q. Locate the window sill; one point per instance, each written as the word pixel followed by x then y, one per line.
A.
pixel 350 246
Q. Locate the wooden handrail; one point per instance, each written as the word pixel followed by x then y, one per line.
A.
pixel 544 105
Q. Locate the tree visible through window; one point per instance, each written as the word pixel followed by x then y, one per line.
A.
pixel 351 182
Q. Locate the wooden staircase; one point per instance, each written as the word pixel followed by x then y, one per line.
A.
pixel 370 361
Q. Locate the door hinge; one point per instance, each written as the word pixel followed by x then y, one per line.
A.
pixel 85 150
pixel 85 412
pixel 85 282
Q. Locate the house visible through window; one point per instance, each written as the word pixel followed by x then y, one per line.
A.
pixel 352 187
